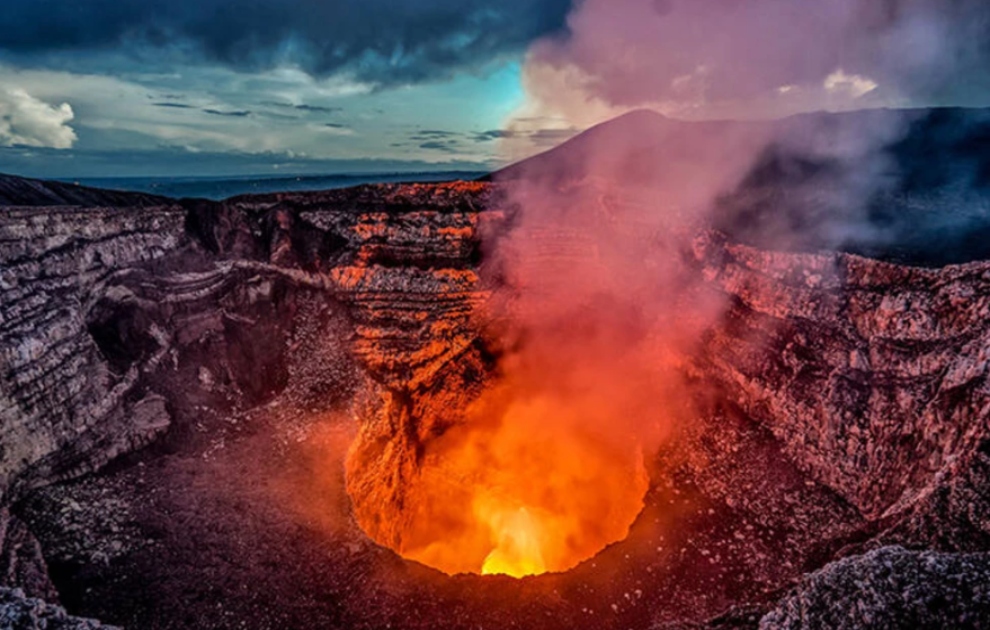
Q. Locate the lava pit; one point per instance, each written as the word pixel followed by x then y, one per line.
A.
pixel 521 487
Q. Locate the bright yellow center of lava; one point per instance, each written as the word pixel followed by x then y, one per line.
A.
pixel 536 491
pixel 518 550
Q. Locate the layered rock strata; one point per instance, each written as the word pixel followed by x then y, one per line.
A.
pixel 873 376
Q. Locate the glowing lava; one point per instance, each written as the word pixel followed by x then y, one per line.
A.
pixel 519 489
pixel 518 551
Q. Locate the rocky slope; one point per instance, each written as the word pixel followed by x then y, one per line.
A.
pixel 890 588
pixel 853 415
pixel 806 193
pixel 20 191
pixel 98 301
pixel 23 613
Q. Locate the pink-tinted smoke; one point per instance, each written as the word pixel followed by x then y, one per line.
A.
pixel 596 273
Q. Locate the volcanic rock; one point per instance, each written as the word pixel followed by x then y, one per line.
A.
pixel 22 564
pixel 890 588
pixel 18 612
pixel 873 375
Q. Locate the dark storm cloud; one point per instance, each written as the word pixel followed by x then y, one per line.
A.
pixel 318 108
pixel 303 107
pixel 380 41
pixel 232 114
pixel 435 133
pixel 495 134
pixel 435 145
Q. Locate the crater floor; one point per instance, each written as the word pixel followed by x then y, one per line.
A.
pixel 244 523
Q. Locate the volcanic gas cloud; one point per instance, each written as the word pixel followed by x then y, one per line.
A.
pixel 593 310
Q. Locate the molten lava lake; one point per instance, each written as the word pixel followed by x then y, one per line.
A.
pixel 519 497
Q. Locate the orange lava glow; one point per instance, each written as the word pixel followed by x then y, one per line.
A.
pixel 510 492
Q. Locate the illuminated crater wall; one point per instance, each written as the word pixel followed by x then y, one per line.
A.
pixel 509 437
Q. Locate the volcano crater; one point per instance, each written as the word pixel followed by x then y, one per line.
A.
pixel 837 420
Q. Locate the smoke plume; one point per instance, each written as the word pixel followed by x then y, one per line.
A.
pixel 763 58
pixel 595 277
pixel 599 306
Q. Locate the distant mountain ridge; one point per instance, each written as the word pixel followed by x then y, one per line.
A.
pixel 909 185
pixel 928 133
pixel 21 191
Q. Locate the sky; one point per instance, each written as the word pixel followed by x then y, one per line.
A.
pixel 103 88
pixel 98 88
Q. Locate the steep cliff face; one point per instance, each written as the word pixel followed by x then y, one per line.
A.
pixel 873 376
pixel 112 316
pixel 74 342
pixel 863 384
pixel 99 301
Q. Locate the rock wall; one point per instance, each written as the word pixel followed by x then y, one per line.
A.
pixel 106 310
pixel 72 344
pixel 873 376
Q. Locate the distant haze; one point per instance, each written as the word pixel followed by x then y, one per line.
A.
pixel 218 188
